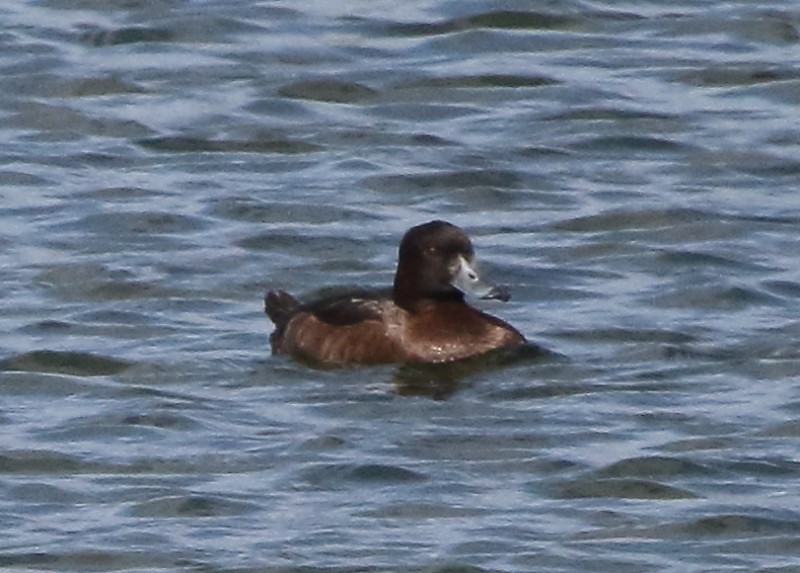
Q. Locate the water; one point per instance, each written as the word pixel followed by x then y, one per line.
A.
pixel 629 168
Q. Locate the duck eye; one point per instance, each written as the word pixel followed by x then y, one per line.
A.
pixel 431 250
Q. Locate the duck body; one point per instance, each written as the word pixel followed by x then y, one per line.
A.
pixel 422 319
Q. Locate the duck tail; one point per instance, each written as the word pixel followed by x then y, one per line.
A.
pixel 280 306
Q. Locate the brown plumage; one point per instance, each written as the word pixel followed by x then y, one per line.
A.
pixel 423 319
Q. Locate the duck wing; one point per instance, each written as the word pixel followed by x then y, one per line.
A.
pixel 349 308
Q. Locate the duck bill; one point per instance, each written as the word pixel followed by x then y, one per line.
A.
pixel 468 281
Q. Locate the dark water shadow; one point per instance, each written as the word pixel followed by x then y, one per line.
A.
pixel 63 362
pixel 441 381
pixel 438 381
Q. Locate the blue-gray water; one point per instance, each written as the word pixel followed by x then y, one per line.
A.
pixel 630 168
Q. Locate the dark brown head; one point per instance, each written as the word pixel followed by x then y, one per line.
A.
pixel 436 261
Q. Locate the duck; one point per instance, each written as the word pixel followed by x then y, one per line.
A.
pixel 423 318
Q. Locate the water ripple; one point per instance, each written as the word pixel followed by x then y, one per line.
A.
pixel 629 169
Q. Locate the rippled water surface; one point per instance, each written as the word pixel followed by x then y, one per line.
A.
pixel 630 168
